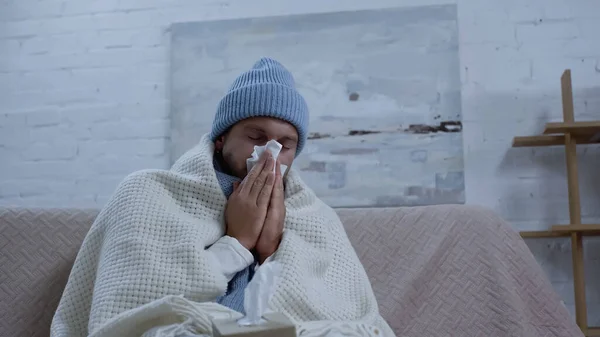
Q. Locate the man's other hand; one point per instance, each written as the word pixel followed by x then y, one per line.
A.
pixel 272 231
pixel 246 209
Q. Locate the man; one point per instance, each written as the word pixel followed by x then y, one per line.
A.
pixel 171 243
pixel 261 105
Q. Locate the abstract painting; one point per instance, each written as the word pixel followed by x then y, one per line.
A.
pixel 382 86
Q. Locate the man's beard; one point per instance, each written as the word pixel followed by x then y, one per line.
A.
pixel 224 160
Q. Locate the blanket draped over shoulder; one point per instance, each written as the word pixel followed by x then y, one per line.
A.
pixel 144 262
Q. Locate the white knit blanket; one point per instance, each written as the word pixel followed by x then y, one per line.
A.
pixel 143 268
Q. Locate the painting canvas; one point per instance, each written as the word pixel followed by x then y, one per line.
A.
pixel 382 86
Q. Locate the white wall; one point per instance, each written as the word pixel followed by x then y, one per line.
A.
pixel 84 101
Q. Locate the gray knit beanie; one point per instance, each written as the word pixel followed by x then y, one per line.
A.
pixel 266 90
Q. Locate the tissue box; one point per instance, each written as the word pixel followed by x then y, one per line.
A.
pixel 276 325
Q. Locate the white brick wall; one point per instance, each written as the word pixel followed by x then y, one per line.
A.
pixel 83 101
pixel 512 56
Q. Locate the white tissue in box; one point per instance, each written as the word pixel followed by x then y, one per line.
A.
pixel 275 325
pixel 274 147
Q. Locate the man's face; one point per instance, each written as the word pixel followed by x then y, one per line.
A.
pixel 238 143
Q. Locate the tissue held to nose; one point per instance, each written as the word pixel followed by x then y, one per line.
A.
pixel 274 147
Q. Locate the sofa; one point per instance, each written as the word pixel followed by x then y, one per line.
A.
pixel 38 248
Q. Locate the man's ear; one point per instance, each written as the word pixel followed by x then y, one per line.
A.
pixel 219 143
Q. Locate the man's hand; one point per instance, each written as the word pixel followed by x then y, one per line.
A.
pixel 270 237
pixel 247 206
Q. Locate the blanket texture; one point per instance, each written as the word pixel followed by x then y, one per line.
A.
pixel 148 245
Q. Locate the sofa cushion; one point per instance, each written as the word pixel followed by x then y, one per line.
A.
pixel 38 248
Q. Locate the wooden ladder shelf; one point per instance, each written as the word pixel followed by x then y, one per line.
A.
pixel 570 133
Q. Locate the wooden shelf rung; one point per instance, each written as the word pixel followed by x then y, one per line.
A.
pixel 538 141
pixel 552 140
pixel 543 234
pixel 588 128
pixel 583 229
pixel 593 331
pixel 563 231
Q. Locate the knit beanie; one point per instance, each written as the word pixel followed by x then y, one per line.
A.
pixel 266 90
